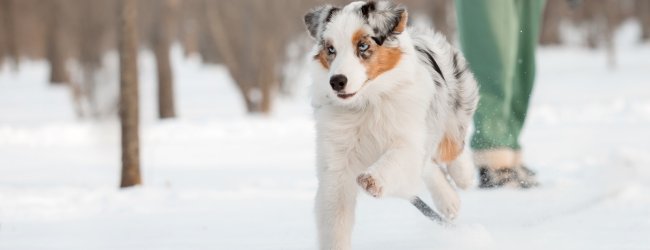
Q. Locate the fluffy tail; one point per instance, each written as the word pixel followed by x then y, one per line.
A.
pixel 462 170
pixel 427 211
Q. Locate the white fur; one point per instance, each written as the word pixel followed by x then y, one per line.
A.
pixel 388 132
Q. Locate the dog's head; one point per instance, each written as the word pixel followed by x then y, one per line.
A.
pixel 356 45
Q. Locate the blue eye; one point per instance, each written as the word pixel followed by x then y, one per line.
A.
pixel 363 47
pixel 331 50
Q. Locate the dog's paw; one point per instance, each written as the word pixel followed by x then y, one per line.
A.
pixel 370 184
pixel 448 203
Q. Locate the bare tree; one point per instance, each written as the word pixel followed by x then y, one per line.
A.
pixel 163 35
pixel 189 26
pixel 7 11
pixel 249 37
pixel 642 8
pixel 55 44
pixel 441 13
pixel 95 28
pixel 254 49
pixel 218 14
pixel 552 18
pixel 129 116
pixel 600 19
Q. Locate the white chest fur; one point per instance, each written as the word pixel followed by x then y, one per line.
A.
pixel 356 138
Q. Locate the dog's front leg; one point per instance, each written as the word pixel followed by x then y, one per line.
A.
pixel 335 205
pixel 396 173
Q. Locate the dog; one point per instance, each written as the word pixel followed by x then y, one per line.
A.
pixel 392 105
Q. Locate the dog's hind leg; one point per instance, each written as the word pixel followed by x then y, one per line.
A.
pixel 444 196
pixel 335 205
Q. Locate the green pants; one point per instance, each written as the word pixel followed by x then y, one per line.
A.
pixel 498 38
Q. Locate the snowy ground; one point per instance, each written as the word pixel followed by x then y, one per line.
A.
pixel 217 179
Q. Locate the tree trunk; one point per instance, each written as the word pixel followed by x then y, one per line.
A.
pixel 441 20
pixel 553 14
pixel 219 34
pixel 643 10
pixel 162 43
pixel 612 14
pixel 129 116
pixel 3 36
pixel 55 53
pixel 189 27
pixel 11 48
pixel 266 104
pixel 267 77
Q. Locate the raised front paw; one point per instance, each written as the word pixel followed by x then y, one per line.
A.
pixel 370 184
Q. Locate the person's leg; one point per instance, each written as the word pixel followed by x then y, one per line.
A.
pixel 529 14
pixel 489 36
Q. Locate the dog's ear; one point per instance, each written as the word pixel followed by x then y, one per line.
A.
pixel 386 18
pixel 317 18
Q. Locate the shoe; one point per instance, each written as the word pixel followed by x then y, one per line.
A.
pixel 526 177
pixel 521 177
pixel 503 167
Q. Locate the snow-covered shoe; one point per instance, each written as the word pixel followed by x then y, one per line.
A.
pixel 503 167
pixel 526 177
pixel 520 177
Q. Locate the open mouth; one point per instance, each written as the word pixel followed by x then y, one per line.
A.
pixel 346 96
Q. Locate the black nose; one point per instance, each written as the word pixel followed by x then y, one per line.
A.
pixel 338 82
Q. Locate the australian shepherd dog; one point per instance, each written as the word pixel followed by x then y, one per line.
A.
pixel 392 106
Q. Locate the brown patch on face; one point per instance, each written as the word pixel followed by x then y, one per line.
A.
pixel 358 37
pixel 383 59
pixel 377 59
pixel 448 149
pixel 322 59
pixel 401 26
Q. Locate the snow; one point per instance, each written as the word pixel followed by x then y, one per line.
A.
pixel 218 179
